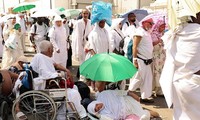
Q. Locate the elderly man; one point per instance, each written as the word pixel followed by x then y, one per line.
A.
pixel 142 53
pixel 180 79
pixel 38 32
pixel 58 37
pixel 80 36
pixel 44 65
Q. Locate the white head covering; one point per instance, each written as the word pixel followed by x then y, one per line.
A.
pixel 91 107
pixel 57 18
pixel 115 23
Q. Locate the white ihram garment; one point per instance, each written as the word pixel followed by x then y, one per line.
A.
pixel 79 35
pixel 143 78
pixel 41 31
pixel 179 83
pixel 43 65
pixel 99 40
pixel 58 37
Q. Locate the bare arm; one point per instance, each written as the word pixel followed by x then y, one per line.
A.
pixel 60 67
pixel 133 95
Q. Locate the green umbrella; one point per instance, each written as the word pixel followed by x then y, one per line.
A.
pixel 23 7
pixel 71 12
pixel 61 9
pixel 108 67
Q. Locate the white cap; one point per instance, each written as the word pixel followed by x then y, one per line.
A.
pixel 57 18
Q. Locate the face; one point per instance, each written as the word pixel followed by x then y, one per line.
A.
pixel 102 23
pixel 98 107
pixel 13 21
pixel 148 25
pixel 21 16
pixel 131 17
pixel 161 28
pixel 59 23
pixel 50 51
pixel 85 14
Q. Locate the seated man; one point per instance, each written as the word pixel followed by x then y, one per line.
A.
pixel 43 64
pixel 46 69
pixel 117 104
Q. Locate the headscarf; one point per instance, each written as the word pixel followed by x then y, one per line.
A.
pixel 115 25
pixel 91 108
pixel 155 34
pixel 146 19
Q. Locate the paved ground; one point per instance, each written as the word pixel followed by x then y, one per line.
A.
pixel 159 105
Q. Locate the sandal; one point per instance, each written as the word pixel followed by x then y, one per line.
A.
pixel 21 116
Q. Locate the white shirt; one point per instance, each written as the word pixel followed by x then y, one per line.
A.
pixel 43 65
pixel 145 47
pixel 41 31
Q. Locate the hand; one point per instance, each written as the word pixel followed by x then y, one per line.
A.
pixel 58 51
pixel 135 64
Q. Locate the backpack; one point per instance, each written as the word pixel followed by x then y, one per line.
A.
pixel 130 50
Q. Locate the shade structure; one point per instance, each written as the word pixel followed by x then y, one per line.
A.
pixel 23 7
pixel 108 67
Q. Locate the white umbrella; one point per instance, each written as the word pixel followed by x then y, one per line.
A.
pixel 44 13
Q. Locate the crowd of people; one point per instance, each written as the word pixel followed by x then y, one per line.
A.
pixel 52 41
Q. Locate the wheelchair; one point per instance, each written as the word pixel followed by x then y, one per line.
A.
pixel 4 110
pixel 44 104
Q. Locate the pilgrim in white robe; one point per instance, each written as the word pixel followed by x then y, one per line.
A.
pixel 98 40
pixel 22 23
pixel 116 34
pixel 180 84
pixel 41 31
pixel 118 105
pixel 143 78
pixel 80 38
pixel 10 55
pixel 43 65
pixel 58 37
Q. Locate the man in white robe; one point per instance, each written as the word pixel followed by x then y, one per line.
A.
pixel 80 34
pixel 58 37
pixel 22 23
pixel 129 23
pixel 98 39
pixel 142 56
pixel 180 79
pixel 38 32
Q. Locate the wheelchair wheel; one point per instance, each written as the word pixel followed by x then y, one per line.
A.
pixel 4 110
pixel 35 105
